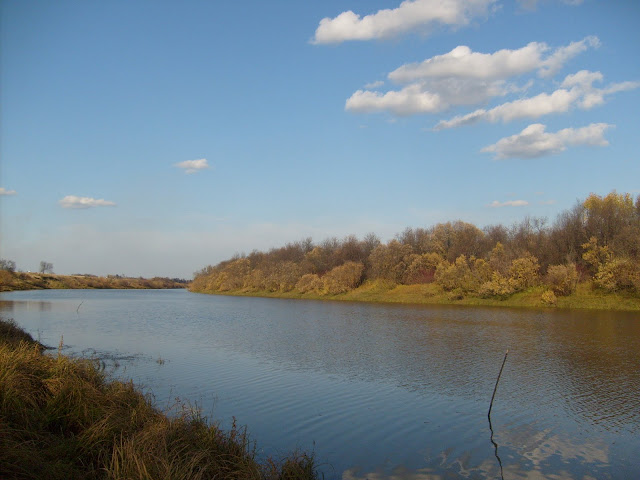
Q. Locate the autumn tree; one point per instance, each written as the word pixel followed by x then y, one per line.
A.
pixel 562 278
pixel 606 216
pixel 390 261
pixel 421 268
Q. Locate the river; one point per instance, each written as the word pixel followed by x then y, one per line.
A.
pixel 376 391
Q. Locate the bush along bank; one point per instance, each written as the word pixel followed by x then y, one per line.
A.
pixel 597 244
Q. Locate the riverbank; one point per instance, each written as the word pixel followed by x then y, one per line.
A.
pixel 63 418
pixel 11 281
pixel 584 297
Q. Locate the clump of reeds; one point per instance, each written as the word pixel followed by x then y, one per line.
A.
pixel 12 334
pixel 62 418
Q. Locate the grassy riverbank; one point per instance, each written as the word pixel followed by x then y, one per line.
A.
pixel 62 418
pixel 379 291
pixel 10 281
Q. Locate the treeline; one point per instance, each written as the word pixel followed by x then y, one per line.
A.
pixel 597 240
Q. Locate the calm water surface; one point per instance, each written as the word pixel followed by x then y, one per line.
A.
pixel 376 391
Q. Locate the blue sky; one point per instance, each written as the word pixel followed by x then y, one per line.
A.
pixel 156 137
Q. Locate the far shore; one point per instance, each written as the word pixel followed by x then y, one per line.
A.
pixel 12 281
pixel 584 297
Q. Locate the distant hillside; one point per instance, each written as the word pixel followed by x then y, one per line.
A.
pixel 41 281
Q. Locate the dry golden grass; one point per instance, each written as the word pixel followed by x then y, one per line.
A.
pixel 62 418
pixel 38 281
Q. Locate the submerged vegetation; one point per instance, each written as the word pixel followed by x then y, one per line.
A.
pixel 11 280
pixel 62 418
pixel 589 257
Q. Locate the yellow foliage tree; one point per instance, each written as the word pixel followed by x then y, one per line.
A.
pixel 343 278
pixel 523 272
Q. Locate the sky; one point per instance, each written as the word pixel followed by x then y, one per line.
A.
pixel 153 138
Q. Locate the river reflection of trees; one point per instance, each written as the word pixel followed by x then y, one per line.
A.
pixel 7 306
pixel 585 362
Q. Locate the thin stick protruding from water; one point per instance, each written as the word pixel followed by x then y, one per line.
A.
pixel 495 389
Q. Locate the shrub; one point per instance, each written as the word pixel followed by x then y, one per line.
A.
pixel 562 278
pixel 523 272
pixel 498 286
pixel 482 270
pixel 309 282
pixel 421 268
pixel 456 276
pixel 343 278
pixel 617 275
pixel 549 298
pixel 455 294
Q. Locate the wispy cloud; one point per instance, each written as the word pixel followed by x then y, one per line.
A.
pixel 578 91
pixel 533 141
pixel 376 84
pixel 508 203
pixel 72 201
pixel 533 4
pixel 409 16
pixel 4 191
pixel 192 166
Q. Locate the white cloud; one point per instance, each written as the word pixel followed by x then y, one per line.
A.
pixel 462 62
pixel 533 4
pixel 533 141
pixel 508 203
pixel 372 85
pixel 408 101
pixel 411 15
pixel 560 56
pixel 71 201
pixel 4 191
pixel 579 93
pixel 192 166
pixel 464 77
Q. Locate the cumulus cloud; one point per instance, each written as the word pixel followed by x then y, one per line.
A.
pixel 462 62
pixel 4 191
pixel 408 101
pixel 72 201
pixel 411 15
pixel 465 77
pixel 534 141
pixel 508 203
pixel 578 91
pixel 192 166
